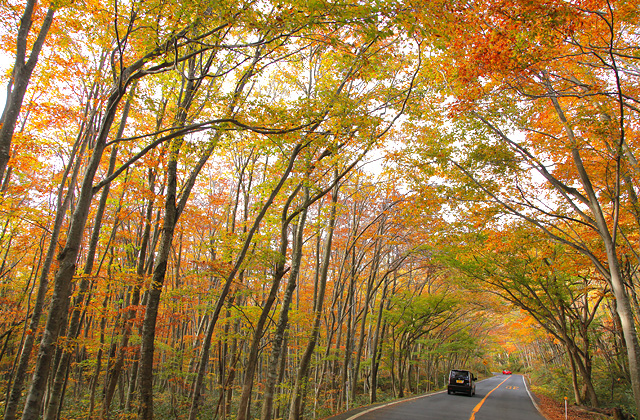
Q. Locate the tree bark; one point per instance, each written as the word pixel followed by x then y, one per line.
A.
pixel 67 264
pixel 279 273
pixel 21 75
pixel 283 319
pixel 303 369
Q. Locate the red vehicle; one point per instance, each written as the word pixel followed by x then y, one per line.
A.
pixel 506 372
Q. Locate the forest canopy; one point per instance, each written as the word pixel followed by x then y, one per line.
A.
pixel 270 209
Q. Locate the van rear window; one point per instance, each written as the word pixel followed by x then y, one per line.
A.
pixel 459 374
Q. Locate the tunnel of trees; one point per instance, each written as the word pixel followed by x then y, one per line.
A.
pixel 280 209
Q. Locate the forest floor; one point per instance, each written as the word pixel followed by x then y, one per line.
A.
pixel 554 410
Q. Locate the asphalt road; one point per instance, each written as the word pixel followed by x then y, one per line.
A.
pixel 502 397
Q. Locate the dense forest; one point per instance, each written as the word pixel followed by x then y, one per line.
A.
pixel 277 209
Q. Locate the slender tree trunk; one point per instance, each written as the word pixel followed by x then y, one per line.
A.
pixel 43 285
pixel 623 306
pixel 55 401
pixel 283 320
pixel 172 210
pixel 574 379
pixel 145 369
pixel 206 345
pixel 21 75
pixel 303 370
pixel 252 361
pixel 280 271
pixel 115 369
pixel 402 350
pixel 348 345
pixel 67 266
pixel 96 374
pixel 282 364
pixel 579 364
pixel 376 346
pixel 365 311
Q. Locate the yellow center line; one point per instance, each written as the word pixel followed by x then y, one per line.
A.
pixel 477 407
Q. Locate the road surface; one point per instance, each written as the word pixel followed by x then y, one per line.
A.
pixel 501 397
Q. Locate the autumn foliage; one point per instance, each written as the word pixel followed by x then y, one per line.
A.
pixel 281 209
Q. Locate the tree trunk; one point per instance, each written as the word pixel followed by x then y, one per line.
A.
pixel 206 345
pixel 115 368
pixel 145 369
pixel 303 370
pixel 623 307
pixel 376 346
pixel 96 374
pixel 172 210
pixel 574 379
pixel 61 211
pixel 283 320
pixel 348 345
pixel 280 271
pixel 55 401
pixel 20 77
pixel 365 311
pixel 67 266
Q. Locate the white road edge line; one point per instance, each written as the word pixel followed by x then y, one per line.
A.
pixel 524 381
pixel 362 413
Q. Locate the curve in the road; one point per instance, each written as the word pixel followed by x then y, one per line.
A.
pixel 508 399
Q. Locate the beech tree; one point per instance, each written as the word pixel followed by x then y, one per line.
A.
pixel 521 113
pixel 23 68
pixel 539 278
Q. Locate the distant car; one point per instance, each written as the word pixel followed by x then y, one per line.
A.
pixel 462 381
pixel 506 372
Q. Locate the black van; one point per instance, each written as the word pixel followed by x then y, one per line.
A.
pixel 462 381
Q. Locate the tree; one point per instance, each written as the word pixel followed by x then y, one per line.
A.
pixel 21 74
pixel 411 317
pixel 544 280
pixel 124 76
pixel 530 111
